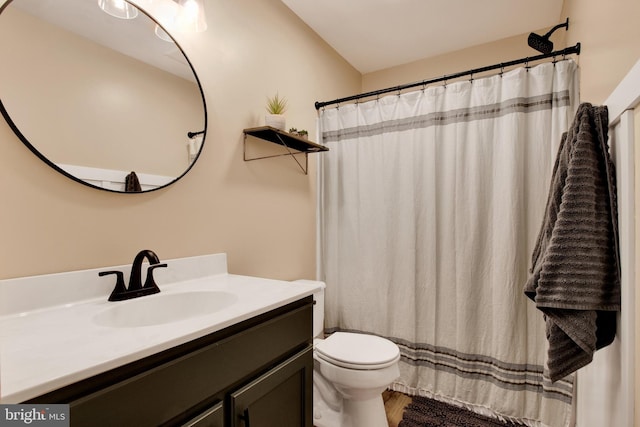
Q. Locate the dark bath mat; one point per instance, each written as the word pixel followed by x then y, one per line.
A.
pixel 425 412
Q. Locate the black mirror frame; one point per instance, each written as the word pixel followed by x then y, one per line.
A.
pixel 42 157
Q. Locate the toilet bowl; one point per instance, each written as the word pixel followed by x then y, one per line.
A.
pixel 350 373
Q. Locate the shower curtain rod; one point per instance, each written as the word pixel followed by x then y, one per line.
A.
pixel 567 51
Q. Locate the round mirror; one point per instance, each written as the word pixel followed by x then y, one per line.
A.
pixel 97 97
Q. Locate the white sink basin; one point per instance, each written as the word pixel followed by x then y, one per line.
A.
pixel 163 308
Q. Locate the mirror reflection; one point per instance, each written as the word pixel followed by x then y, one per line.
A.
pixel 99 97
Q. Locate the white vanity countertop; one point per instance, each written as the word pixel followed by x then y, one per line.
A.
pixel 48 347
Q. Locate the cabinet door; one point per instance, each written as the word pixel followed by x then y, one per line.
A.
pixel 281 397
pixel 212 417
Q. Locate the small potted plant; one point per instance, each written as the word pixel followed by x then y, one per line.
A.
pixel 300 133
pixel 276 107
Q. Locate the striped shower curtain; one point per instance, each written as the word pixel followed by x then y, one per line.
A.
pixel 430 205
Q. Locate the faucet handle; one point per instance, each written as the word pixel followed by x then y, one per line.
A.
pixel 119 288
pixel 149 281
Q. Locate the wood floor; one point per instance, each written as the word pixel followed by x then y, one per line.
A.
pixel 394 404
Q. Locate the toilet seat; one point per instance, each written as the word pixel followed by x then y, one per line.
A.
pixel 357 351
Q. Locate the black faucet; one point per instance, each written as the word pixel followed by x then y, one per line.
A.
pixel 136 288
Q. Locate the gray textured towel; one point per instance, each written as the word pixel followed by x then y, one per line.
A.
pixel 131 183
pixel 575 278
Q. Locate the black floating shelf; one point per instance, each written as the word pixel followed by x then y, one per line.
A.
pixel 288 141
pixel 279 137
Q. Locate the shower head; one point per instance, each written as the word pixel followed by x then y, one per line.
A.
pixel 542 43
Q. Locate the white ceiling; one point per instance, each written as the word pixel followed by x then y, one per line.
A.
pixel 377 34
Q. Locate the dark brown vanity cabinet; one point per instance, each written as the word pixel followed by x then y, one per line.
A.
pixel 256 373
pixel 213 417
pixel 274 399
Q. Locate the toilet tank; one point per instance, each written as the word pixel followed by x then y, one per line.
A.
pixel 318 307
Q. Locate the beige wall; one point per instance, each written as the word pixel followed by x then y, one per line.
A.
pixel 609 32
pixel 450 63
pixel 261 213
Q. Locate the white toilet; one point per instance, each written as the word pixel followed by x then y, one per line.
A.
pixel 350 373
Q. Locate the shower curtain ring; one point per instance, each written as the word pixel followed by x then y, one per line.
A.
pixel 471 78
pixel 501 69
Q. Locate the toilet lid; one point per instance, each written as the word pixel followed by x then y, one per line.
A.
pixel 358 351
